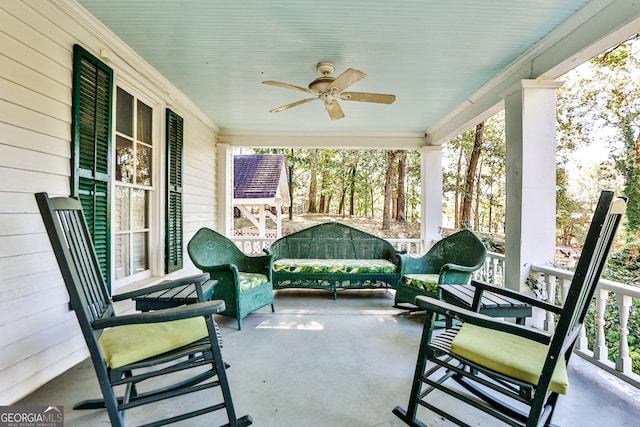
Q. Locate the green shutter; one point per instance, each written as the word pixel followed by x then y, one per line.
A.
pixel 174 239
pixel 91 148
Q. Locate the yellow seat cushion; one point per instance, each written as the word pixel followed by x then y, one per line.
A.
pixel 508 354
pixel 122 345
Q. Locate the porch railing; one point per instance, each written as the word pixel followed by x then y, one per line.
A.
pixel 255 246
pixel 556 285
pixel 252 246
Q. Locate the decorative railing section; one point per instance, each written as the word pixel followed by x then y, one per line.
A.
pixel 492 271
pixel 408 246
pixel 254 246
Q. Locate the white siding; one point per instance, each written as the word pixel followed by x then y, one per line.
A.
pixel 39 335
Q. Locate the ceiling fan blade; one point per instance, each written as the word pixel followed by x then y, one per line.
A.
pixel 380 98
pixel 346 79
pixel 293 104
pixel 290 86
pixel 334 110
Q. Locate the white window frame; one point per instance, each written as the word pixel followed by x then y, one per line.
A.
pixel 155 234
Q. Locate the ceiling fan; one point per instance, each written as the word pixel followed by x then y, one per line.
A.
pixel 330 89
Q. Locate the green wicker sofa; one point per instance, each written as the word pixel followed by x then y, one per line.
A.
pixel 333 256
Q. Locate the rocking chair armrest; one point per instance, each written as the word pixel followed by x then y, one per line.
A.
pixel 167 284
pixel 433 305
pixel 175 313
pixel 483 286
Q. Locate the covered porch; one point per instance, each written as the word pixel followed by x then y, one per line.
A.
pixel 317 362
pixel 41 339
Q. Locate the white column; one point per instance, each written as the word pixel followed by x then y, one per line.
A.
pixel 431 190
pixel 225 189
pixel 530 119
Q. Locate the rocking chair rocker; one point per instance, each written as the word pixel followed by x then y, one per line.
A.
pixel 508 371
pixel 142 348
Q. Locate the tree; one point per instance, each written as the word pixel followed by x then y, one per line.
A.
pixel 401 205
pixel 568 209
pixel 313 181
pixel 609 89
pixel 388 187
pixel 467 193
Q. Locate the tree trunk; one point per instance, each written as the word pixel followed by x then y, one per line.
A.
pixel 343 194
pixel 352 190
pixel 465 216
pixel 290 178
pixel 456 196
pixel 388 188
pixel 401 214
pixel 476 213
pixel 313 182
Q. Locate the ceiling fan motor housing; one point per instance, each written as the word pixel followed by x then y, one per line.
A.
pixel 321 83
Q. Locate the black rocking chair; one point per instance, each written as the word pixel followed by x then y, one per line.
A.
pixel 508 371
pixel 137 350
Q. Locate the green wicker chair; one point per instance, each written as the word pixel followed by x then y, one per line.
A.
pixel 452 260
pixel 244 282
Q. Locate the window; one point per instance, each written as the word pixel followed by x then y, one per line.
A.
pixel 113 149
pixel 133 184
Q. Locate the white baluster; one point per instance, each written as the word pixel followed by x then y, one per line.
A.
pixel 549 321
pixel 623 361
pixel 565 284
pixel 600 350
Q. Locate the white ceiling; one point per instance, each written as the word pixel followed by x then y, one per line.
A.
pixel 433 55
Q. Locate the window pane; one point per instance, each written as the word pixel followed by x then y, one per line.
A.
pixel 124 113
pixel 121 212
pixel 122 256
pixel 139 252
pixel 139 210
pixel 143 171
pixel 124 160
pixel 144 123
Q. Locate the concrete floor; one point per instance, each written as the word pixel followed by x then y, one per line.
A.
pixel 317 362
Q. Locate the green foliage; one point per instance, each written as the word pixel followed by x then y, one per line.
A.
pixel 624 262
pixel 338 171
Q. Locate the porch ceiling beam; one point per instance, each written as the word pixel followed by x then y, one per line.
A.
pixel 585 35
pixel 408 141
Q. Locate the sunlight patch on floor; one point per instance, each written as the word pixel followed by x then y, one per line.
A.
pixel 311 325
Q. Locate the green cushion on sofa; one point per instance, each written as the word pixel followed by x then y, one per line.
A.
pixel 127 344
pixel 339 266
pixel 428 282
pixel 251 280
pixel 508 354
